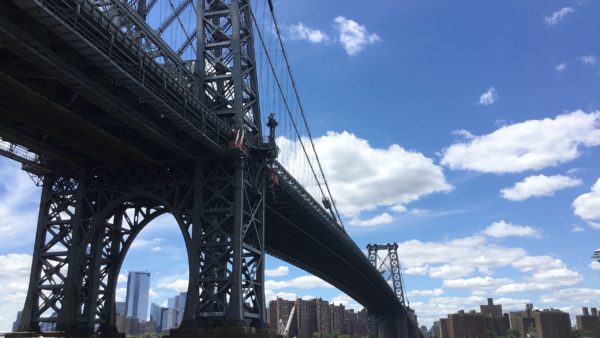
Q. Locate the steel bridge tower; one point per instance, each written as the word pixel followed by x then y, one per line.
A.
pixel 389 266
pixel 88 218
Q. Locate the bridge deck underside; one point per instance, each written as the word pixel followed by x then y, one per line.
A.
pixel 64 105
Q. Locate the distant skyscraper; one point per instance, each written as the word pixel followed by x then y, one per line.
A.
pixel 17 322
pixel 120 308
pixel 138 293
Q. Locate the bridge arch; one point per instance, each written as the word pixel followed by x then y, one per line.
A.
pixel 105 247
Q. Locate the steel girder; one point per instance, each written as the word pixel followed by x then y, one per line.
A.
pixel 88 221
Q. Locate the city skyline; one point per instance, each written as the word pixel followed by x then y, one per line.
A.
pixel 478 155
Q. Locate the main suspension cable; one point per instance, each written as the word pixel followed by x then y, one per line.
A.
pixel 285 102
pixel 278 32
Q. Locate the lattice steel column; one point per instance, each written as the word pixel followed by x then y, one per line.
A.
pixel 389 266
pixel 225 50
pixel 57 221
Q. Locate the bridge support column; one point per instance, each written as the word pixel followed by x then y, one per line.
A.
pixel 58 231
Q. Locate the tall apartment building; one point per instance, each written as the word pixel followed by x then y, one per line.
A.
pixel 337 318
pixel 444 333
pixel 491 310
pixel 552 323
pixel 279 313
pixel 589 323
pixel 323 314
pixel 17 322
pixel 138 291
pixel 522 321
pixel 490 321
pixel 307 317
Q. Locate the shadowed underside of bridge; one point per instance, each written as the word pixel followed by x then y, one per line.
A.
pixel 81 95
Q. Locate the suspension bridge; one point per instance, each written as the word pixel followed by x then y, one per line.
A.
pixel 124 110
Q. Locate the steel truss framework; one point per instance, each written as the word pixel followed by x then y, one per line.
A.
pixel 389 266
pixel 88 220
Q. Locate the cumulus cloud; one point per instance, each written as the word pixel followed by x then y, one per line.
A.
pixel 364 178
pixel 302 282
pixel 353 36
pixel 19 202
pixel 574 295
pixel 178 285
pixel 122 278
pixel 456 258
pixel 277 272
pixel 383 218
pixel 540 185
pixel 489 97
pixel 476 282
pixel 300 31
pixel 344 299
pixel 561 66
pixel 558 16
pixel 270 295
pixel 521 146
pixel 425 293
pixel 503 229
pixel 544 278
pixel 595 265
pixel 14 280
pixel 587 206
pixel 588 60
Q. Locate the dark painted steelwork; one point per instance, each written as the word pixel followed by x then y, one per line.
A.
pixel 388 265
pixel 123 130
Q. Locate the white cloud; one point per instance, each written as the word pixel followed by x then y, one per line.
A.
pixel 531 263
pixel 558 16
pixel 301 32
pixel 425 293
pixel 521 146
pixel 595 265
pixel 19 202
pixel 540 185
pixel 353 36
pixel 588 59
pixel 417 270
pixel 456 258
pixel 503 229
pixel 270 295
pixel 122 278
pixel 179 285
pixel 302 282
pixel 489 97
pixel 153 294
pixel 547 277
pixel 476 282
pixel 349 303
pixel 277 272
pixel 450 271
pixel 120 295
pixel 577 228
pixel 383 218
pixel 587 206
pixel 364 178
pixel 561 66
pixel 14 280
pixel 574 295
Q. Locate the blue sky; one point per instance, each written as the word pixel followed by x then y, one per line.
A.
pixel 468 132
